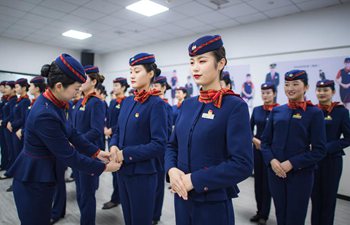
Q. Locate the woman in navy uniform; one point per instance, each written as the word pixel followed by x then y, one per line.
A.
pixel 180 94
pixel 206 157
pixel 4 156
pixel 327 176
pixel 7 112
pixel 49 136
pixel 120 86
pixel 138 142
pixel 160 83
pixel 258 119
pixel 19 112
pixel 89 120
pixel 292 143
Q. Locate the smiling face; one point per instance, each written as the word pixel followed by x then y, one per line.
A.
pixel 140 78
pixel 295 90
pixel 206 70
pixel 324 94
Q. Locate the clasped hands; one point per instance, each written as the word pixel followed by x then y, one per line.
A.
pixel 281 169
pixel 180 182
pixel 113 159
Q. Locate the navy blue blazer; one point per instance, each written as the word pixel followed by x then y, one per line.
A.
pixel 19 114
pixel 7 111
pixel 113 114
pixel 169 112
pixel 259 119
pixel 337 124
pixel 141 134
pixel 213 144
pixel 90 120
pixel 49 136
pixel 290 133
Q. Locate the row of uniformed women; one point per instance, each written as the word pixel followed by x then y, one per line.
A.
pixel 50 139
pixel 302 148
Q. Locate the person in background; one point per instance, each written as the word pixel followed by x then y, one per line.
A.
pixel 273 77
pixel 258 120
pixel 181 95
pixel 292 143
pixel 189 86
pixel 4 156
pixel 327 176
pixel 226 81
pixel 343 79
pixel 248 91
pixel 120 86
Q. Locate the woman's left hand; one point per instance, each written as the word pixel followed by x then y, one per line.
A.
pixel 186 179
pixel 286 166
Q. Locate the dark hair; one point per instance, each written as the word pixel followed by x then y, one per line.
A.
pixel 219 54
pixel 183 91
pixel 55 75
pixel 100 88
pixel 152 67
pixel 98 77
pixel 41 86
pixel 305 81
pixel 26 85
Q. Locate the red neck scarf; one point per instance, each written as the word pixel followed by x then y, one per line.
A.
pixel 166 100
pixel 120 99
pixel 4 97
pixel 22 97
pixel 50 96
pixel 144 95
pixel 328 108
pixel 270 107
pixel 214 96
pixel 33 100
pixel 299 105
pixel 10 97
pixel 87 97
pixel 179 104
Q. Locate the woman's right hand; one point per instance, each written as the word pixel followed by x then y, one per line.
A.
pixel 277 168
pixel 176 182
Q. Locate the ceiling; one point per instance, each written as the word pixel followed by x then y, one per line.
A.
pixel 115 28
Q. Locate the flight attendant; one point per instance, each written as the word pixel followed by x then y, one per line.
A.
pixel 4 156
pixel 160 83
pixel 181 94
pixel 120 86
pixel 89 120
pixel 343 79
pixel 140 139
pixel 258 120
pixel 7 112
pixel 206 157
pixel 49 136
pixel 16 124
pixel 292 143
pixel 327 176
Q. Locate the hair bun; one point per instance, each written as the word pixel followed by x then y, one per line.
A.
pixel 45 70
pixel 156 70
pixel 101 78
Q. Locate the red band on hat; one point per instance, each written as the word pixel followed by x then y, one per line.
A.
pixel 118 79
pixel 72 69
pixel 296 75
pixel 205 44
pixel 94 67
pixel 143 58
pixel 326 83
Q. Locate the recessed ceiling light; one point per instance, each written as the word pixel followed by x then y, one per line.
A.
pixel 147 8
pixel 76 34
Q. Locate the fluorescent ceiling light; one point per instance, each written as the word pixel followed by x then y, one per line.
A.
pixel 147 8
pixel 76 34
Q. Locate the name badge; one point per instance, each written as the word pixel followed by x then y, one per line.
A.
pixel 208 115
pixel 137 115
pixel 328 118
pixel 117 106
pixel 82 108
pixel 29 107
pixel 297 116
pixel 73 107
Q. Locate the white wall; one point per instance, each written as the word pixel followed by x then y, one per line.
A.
pixel 316 34
pixel 27 57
